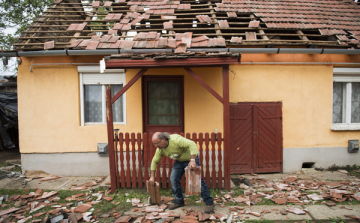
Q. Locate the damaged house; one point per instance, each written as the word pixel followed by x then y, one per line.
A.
pixel 260 85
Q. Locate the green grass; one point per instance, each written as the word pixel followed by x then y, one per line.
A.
pixel 5 164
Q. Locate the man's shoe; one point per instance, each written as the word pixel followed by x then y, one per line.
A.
pixel 209 209
pixel 174 206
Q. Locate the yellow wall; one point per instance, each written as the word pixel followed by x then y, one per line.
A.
pixel 306 96
pixel 49 103
pixel 49 106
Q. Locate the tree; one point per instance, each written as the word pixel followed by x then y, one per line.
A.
pixel 15 16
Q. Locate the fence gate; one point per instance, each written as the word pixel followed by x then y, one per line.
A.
pixel 256 138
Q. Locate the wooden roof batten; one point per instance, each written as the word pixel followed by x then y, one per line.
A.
pixel 280 23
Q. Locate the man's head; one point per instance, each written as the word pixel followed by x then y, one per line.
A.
pixel 160 139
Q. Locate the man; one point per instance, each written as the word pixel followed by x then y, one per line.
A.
pixel 185 152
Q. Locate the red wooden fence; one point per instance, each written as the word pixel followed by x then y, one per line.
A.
pixel 133 155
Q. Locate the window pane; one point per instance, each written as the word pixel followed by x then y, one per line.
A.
pixel 93 105
pixel 337 102
pixel 355 101
pixel 163 103
pixel 117 107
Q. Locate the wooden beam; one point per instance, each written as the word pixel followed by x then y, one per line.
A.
pixel 110 132
pixel 150 63
pixel 128 85
pixel 205 85
pixel 226 104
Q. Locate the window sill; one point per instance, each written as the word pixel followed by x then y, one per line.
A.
pixel 100 123
pixel 344 127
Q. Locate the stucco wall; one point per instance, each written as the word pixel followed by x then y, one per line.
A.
pixel 49 106
pixel 306 94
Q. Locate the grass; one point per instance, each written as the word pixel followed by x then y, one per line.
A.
pixel 5 164
pixel 352 169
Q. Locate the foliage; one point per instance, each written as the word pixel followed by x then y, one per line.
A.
pixel 15 17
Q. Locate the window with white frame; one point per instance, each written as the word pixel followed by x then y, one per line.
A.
pixel 93 95
pixel 346 99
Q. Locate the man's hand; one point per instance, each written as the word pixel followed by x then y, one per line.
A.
pixel 152 181
pixel 192 165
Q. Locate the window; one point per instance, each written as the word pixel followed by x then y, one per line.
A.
pixel 93 95
pixel 346 99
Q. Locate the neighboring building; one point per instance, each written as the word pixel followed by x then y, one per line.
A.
pixel 294 80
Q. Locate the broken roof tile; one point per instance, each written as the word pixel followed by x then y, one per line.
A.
pixel 169 17
pixel 236 39
pixel 72 27
pixel 107 4
pixel 96 4
pixel 250 35
pixel 181 48
pixel 168 25
pixel 199 39
pixel 49 45
pixel 254 24
pixel 223 23
pixel 137 20
pixel 231 14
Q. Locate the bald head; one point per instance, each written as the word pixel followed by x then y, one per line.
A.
pixel 160 139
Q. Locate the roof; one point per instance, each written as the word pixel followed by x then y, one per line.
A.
pixel 180 25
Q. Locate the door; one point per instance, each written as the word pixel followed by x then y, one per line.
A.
pixel 256 138
pixel 163 104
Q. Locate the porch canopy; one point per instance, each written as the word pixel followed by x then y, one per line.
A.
pixel 183 60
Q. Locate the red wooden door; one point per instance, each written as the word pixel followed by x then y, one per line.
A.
pixel 256 138
pixel 241 140
pixel 163 104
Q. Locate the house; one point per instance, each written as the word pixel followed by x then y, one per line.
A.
pixel 279 79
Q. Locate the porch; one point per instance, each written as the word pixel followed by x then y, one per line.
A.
pixel 216 174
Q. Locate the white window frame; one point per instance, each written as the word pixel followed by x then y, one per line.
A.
pixel 346 75
pixel 112 76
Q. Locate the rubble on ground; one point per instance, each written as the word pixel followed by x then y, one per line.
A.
pixel 285 192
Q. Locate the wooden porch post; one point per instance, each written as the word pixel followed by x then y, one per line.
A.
pixel 110 127
pixel 226 104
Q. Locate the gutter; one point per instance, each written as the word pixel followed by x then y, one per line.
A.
pixel 104 52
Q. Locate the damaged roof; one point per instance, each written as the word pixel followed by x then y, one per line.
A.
pixel 180 25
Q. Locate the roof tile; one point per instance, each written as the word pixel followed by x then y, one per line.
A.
pixel 168 25
pixel 137 20
pixel 199 39
pixel 162 42
pixel 92 45
pixel 171 43
pixel 223 23
pixel 231 14
pixel 128 44
pixel 250 35
pixel 49 45
pixel 118 26
pixel 254 24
